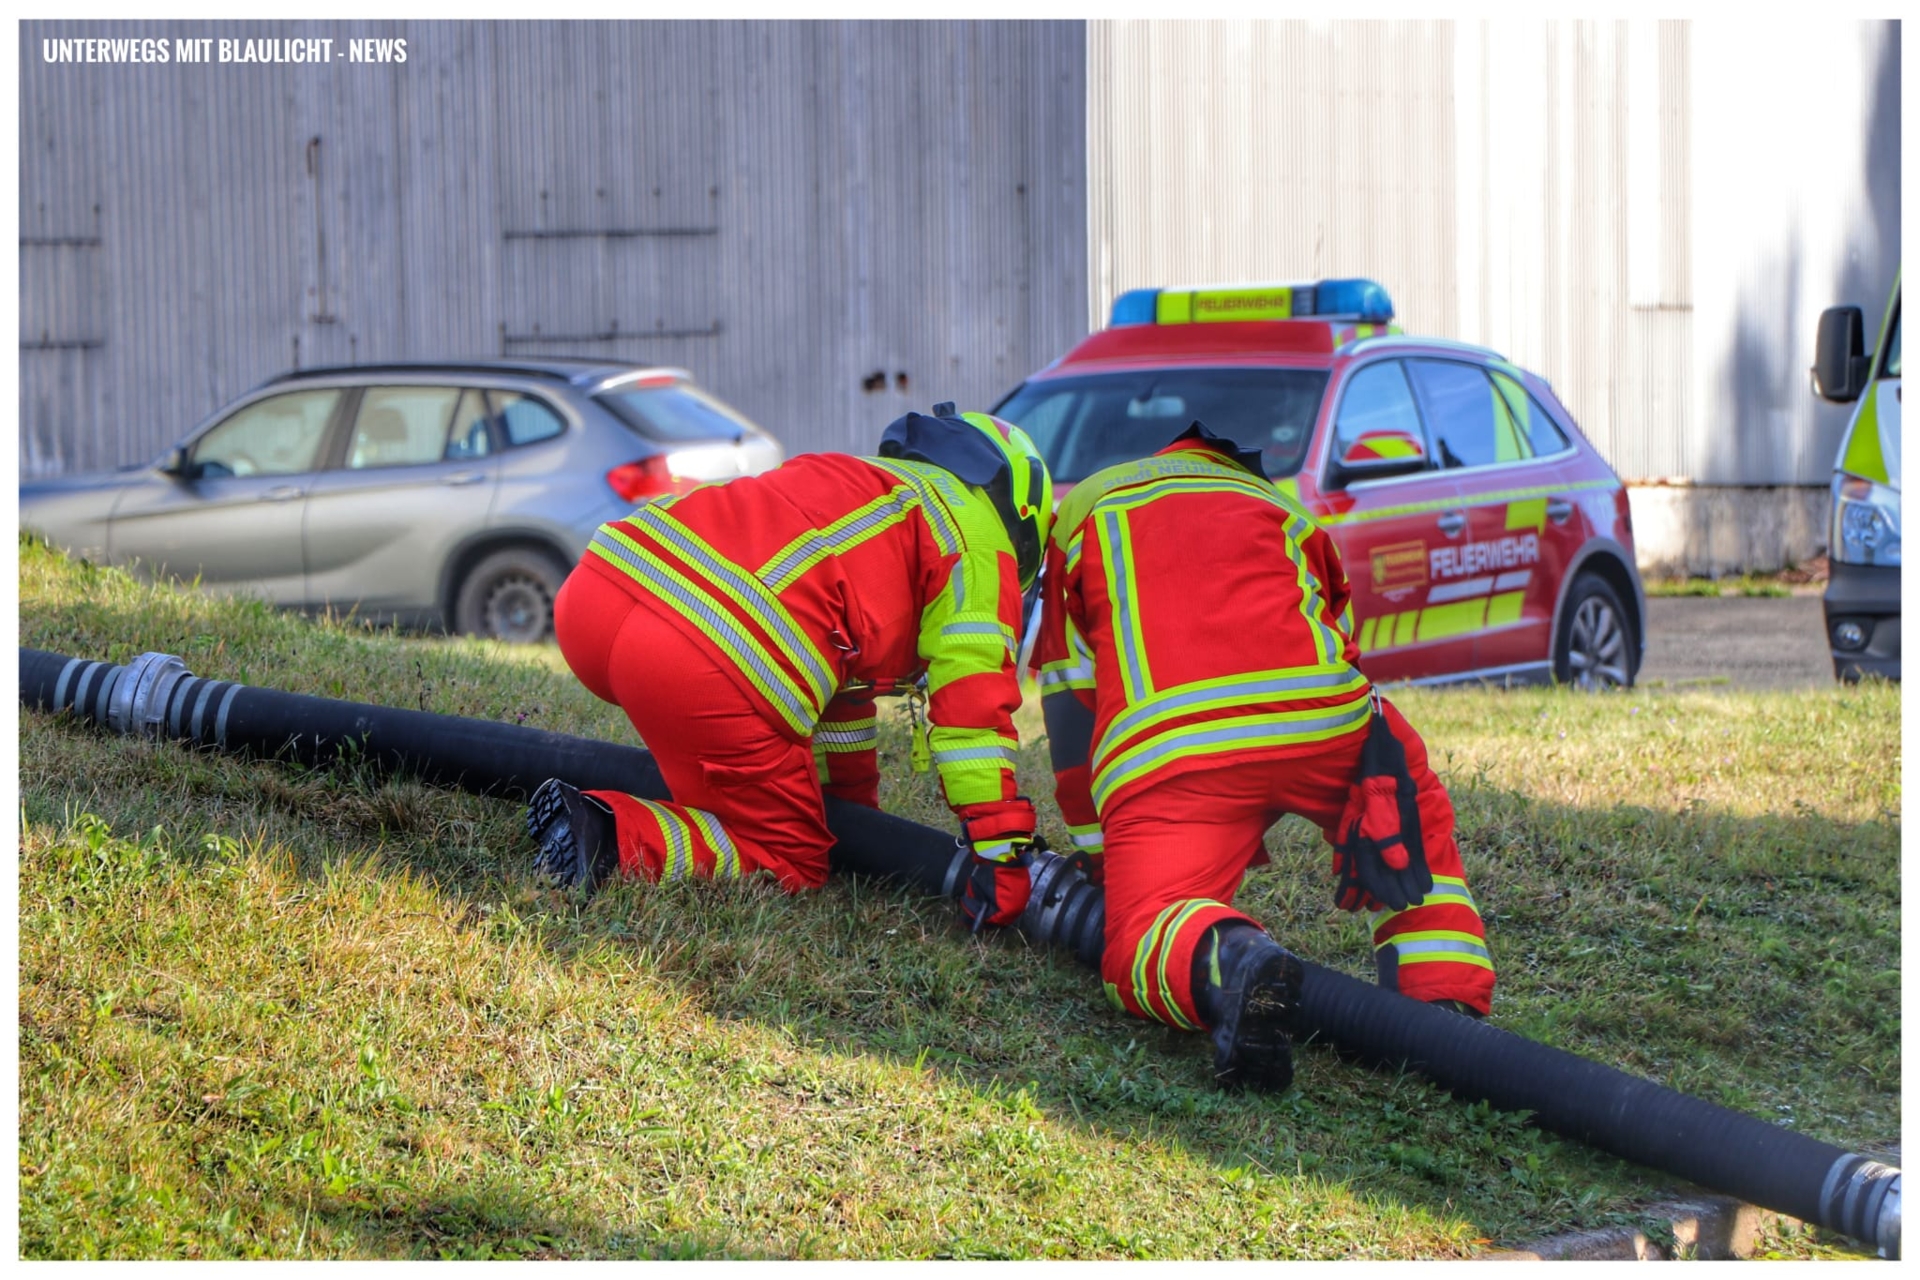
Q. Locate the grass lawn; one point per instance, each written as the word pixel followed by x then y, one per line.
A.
pixel 267 1012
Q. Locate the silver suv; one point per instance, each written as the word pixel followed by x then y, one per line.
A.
pixel 453 495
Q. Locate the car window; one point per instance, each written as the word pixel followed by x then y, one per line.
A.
pixel 1526 418
pixel 525 418
pixel 1083 424
pixel 470 436
pixel 1470 426
pixel 1377 398
pixel 278 436
pixel 673 412
pixel 401 426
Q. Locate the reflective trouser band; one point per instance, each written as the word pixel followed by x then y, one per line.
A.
pixel 797 704
pixel 1426 946
pixel 1212 737
pixel 1152 980
pixel 684 832
pixel 1243 691
pixel 995 850
pixel 1451 890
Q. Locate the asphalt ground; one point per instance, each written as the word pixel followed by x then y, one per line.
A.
pixel 1736 642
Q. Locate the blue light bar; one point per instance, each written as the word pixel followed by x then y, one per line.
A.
pixel 1350 299
pixel 1135 306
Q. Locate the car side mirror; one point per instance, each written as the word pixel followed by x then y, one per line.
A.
pixel 1840 360
pixel 175 462
pixel 1382 453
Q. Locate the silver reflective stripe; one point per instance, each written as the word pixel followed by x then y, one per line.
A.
pixel 847 737
pixel 727 861
pixel 1063 675
pixel 1453 892
pixel 1439 947
pixel 957 581
pixel 1138 760
pixel 954 754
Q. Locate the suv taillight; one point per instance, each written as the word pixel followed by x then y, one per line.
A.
pixel 646 478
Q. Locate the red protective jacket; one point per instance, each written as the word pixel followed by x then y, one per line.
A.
pixel 1219 617
pixel 818 581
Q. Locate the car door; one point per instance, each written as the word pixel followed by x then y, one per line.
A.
pixel 1388 531
pixel 1523 527
pixel 414 476
pixel 233 515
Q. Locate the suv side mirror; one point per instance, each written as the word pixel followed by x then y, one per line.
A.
pixel 1382 453
pixel 1840 361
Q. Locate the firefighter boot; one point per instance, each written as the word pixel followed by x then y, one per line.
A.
pixel 575 832
pixel 1247 987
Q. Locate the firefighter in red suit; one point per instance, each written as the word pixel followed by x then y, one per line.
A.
pixel 746 627
pixel 1200 680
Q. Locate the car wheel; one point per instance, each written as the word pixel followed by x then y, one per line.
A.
pixel 509 596
pixel 1594 645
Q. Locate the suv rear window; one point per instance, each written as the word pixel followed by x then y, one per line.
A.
pixel 1083 424
pixel 673 413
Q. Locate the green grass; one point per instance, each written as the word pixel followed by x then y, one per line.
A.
pixel 1745 584
pixel 268 1012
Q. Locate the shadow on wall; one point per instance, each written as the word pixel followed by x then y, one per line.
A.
pixel 1765 378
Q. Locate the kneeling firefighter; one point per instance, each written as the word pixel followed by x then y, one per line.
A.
pixel 746 627
pixel 1200 680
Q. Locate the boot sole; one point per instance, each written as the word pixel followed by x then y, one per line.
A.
pixel 1261 1056
pixel 554 822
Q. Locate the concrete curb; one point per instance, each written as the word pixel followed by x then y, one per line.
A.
pixel 1708 1228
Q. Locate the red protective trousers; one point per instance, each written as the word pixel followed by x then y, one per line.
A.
pixel 745 797
pixel 1178 847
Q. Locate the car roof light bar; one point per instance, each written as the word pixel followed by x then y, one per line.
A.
pixel 1345 299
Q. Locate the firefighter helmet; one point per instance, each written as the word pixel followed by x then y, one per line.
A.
pixel 993 454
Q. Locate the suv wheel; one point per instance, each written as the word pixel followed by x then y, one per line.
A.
pixel 1594 645
pixel 509 596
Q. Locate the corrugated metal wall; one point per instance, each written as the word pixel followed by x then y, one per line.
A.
pixel 1635 209
pixel 786 208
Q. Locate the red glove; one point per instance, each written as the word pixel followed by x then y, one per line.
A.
pixel 1379 859
pixel 1000 834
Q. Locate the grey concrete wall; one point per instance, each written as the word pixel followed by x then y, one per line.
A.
pixel 827 222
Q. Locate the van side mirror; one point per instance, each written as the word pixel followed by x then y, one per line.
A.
pixel 1382 453
pixel 1840 361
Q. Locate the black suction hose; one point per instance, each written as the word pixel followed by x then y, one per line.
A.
pixel 1635 1119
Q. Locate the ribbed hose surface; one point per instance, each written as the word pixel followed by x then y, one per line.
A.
pixel 1609 1109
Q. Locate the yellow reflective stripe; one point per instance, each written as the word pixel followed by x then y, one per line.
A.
pixel 1366 634
pixel 938 492
pixel 726 858
pixel 1505 607
pixel 1471 500
pixel 693 601
pixel 1075 671
pixel 1461 617
pixel 1286 684
pixel 1210 737
pixel 744 590
pixel 1528 514
pixel 1159 938
pixel 844 534
pixel 1136 678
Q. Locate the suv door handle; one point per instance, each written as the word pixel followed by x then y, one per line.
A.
pixel 463 477
pixel 1558 509
pixel 280 493
pixel 1452 522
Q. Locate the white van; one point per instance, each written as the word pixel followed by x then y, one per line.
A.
pixel 1863 586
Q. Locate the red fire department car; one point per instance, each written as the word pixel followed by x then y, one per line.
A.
pixel 1484 536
